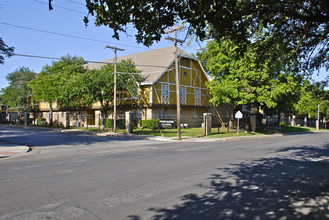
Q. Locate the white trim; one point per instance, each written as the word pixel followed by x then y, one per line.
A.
pixel 172 62
pixel 189 57
pixel 193 87
pixel 182 94
pixel 164 72
pixel 165 94
pixel 204 72
pixel 197 96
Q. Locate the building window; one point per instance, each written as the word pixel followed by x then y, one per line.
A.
pixel 162 113
pixel 165 94
pixel 182 95
pixel 197 96
pixel 138 113
pixel 194 114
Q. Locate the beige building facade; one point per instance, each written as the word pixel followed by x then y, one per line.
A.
pixel 156 97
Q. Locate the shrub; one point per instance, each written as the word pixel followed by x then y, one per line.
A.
pixel 150 124
pixel 40 120
pixel 108 123
pixel 120 123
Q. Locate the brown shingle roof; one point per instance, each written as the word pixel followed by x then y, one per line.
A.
pixel 152 63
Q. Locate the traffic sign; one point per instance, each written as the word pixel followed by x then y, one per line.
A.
pixel 238 114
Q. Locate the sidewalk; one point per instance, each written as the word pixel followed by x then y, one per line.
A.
pixel 8 150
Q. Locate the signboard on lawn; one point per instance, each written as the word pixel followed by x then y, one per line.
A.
pixel 166 123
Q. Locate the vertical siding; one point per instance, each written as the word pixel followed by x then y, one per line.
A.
pixel 191 77
pixel 145 95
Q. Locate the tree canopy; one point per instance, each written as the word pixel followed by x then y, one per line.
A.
pixel 54 82
pixel 72 86
pixel 5 50
pixel 18 95
pixel 240 80
pixel 101 83
pixel 297 25
pixel 311 95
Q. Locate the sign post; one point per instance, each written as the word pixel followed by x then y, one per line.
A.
pixel 238 115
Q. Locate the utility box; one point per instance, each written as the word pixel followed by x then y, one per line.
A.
pixel 207 123
pixel 129 122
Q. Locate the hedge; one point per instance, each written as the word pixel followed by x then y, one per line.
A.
pixel 150 124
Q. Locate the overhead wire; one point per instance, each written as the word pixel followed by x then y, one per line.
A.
pixel 88 61
pixel 76 37
pixel 75 2
pixel 68 9
pixel 67 35
pixel 72 36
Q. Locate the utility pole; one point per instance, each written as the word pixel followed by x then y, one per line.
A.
pixel 115 49
pixel 175 40
pixel 318 122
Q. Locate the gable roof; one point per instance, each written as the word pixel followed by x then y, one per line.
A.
pixel 152 63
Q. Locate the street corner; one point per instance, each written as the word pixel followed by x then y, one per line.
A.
pixel 9 150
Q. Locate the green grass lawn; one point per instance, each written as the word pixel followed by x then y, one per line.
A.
pixel 198 132
pixel 192 132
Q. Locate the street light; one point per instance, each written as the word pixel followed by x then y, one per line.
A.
pixel 318 123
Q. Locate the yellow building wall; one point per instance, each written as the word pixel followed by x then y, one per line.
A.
pixel 144 95
pixel 191 77
pixel 172 75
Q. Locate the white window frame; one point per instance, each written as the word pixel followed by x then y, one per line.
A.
pixel 165 94
pixel 162 113
pixel 182 95
pixel 197 96
pixel 138 113
pixel 194 114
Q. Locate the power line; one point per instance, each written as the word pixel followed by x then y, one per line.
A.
pixel 68 35
pixel 76 2
pixel 88 61
pixel 68 9
pixel 76 37
pixel 51 32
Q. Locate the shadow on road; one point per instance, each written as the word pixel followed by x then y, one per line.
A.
pixel 294 185
pixel 41 138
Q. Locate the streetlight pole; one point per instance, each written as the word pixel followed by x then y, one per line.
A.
pixel 318 122
pixel 175 29
pixel 115 49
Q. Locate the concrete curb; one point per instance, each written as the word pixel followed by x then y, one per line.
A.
pixel 9 150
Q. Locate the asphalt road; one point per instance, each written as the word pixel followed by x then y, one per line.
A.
pixel 76 176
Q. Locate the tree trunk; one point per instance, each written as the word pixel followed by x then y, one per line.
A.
pixel 51 115
pixel 103 116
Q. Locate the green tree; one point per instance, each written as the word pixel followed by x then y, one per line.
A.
pixel 72 92
pixel 18 95
pixel 60 83
pixel 45 87
pixel 298 25
pixel 101 83
pixel 312 94
pixel 241 80
pixel 5 50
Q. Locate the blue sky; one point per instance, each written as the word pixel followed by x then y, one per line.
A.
pixel 19 20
